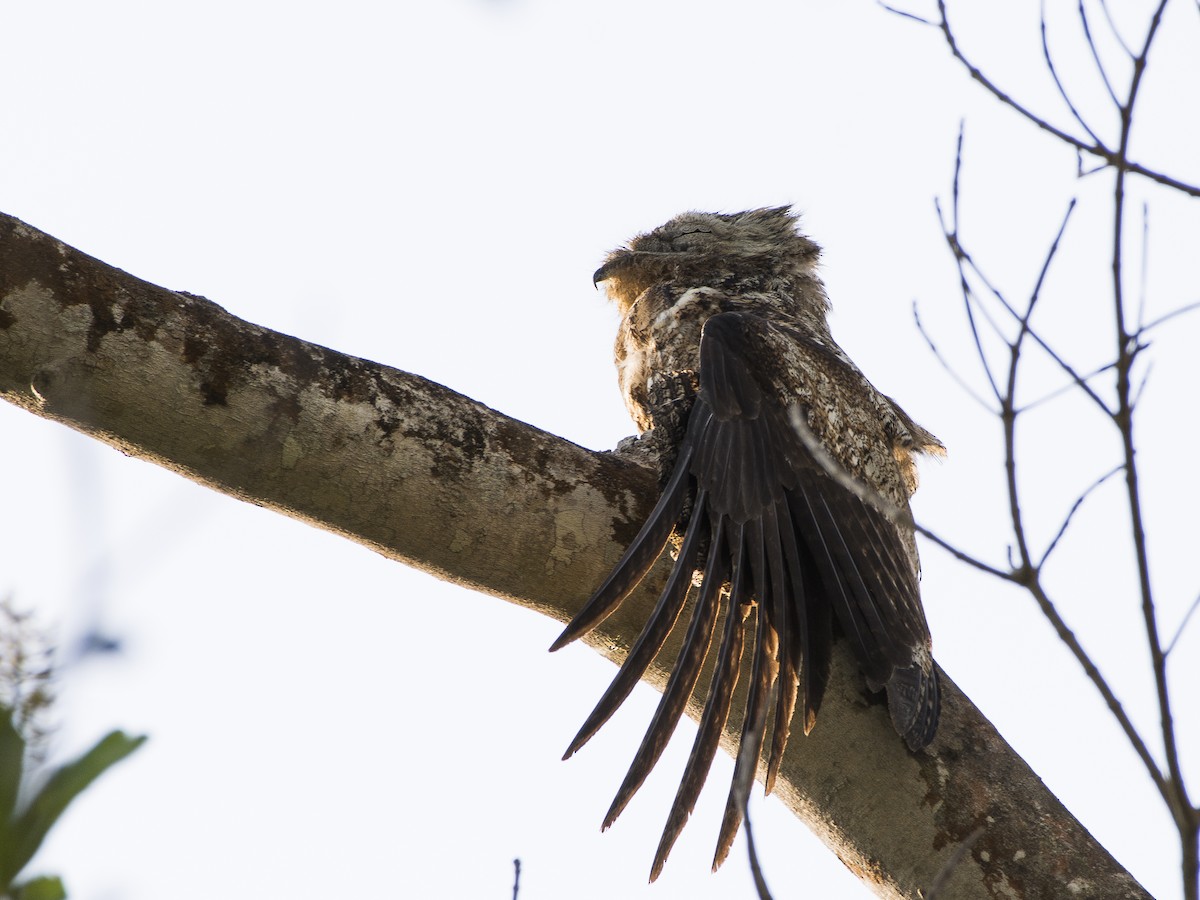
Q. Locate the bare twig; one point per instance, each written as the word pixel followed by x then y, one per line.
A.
pixel 1182 625
pixel 1129 384
pixel 1176 796
pixel 1112 26
pixel 1141 385
pixel 965 261
pixel 951 233
pixel 1045 270
pixel 950 370
pixel 1087 33
pixel 1080 381
pixel 973 561
pixel 1073 384
pixel 1062 91
pixel 1067 636
pixel 1097 149
pixel 1062 529
pixel 1183 310
pixel 905 14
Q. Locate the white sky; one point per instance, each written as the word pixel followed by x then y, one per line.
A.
pixel 430 185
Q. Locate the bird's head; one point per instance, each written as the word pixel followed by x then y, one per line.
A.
pixel 708 248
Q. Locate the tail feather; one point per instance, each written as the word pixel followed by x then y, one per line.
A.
pixel 914 702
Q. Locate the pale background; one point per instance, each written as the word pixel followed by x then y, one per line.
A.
pixel 431 185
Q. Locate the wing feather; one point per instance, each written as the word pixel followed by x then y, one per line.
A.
pixel 795 545
pixel 682 680
pixel 781 613
pixel 716 708
pixel 762 679
pixel 654 633
pixel 638 558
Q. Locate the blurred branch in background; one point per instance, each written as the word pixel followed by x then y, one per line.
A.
pixel 1113 390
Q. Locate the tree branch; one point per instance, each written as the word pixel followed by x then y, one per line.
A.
pixel 433 479
pixel 1097 149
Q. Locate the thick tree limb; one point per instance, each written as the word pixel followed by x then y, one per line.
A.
pixel 438 481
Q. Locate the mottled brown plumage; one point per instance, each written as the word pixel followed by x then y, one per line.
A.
pixel 727 365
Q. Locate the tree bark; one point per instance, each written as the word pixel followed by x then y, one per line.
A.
pixel 433 479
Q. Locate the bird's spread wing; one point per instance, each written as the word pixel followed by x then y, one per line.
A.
pixel 786 541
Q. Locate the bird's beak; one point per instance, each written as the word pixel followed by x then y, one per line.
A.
pixel 616 261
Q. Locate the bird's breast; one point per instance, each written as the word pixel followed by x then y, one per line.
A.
pixel 660 336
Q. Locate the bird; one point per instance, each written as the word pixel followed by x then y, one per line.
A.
pixel 785 478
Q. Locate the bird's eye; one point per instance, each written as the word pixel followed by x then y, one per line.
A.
pixel 687 240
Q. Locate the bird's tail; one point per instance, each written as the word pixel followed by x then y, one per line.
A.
pixel 914 702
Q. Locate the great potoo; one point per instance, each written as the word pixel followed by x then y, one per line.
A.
pixel 783 469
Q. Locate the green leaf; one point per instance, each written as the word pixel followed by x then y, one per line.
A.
pixel 30 827
pixel 44 887
pixel 12 758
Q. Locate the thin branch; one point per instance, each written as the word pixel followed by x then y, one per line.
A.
pixel 1024 320
pixel 1045 270
pixel 1010 412
pixel 969 260
pixel 950 370
pixel 991 87
pixel 951 234
pixel 1177 799
pixel 1098 149
pixel 1081 381
pixel 1129 333
pixel 1113 28
pixel 905 14
pixel 983 360
pixel 1182 625
pixel 965 288
pixel 1026 572
pixel 1074 384
pixel 1008 418
pixel 963 556
pixel 1078 379
pixel 1087 33
pixel 1191 307
pixel 1141 386
pixel 1062 91
pixel 1062 529
pixel 1067 636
